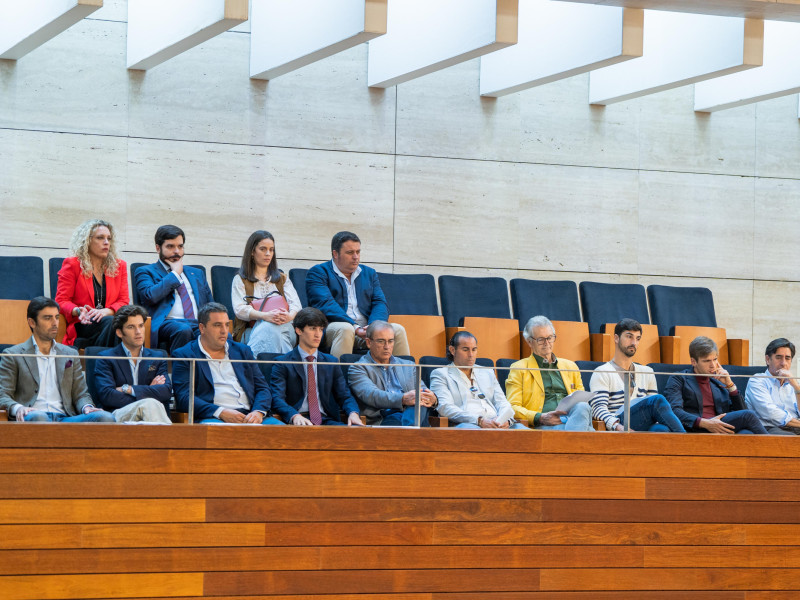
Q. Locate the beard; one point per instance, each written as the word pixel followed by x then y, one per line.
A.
pixel 628 350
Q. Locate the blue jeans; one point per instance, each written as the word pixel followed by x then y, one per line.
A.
pixel 654 413
pixel 474 426
pixel 266 421
pixel 579 418
pixel 405 417
pixel 744 421
pixel 97 416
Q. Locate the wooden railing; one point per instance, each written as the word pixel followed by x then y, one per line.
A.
pixel 115 511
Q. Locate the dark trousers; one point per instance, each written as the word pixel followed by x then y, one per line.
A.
pixel 176 333
pixel 745 421
pixel 405 417
pixel 100 333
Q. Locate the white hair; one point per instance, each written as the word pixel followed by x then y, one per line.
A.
pixel 533 323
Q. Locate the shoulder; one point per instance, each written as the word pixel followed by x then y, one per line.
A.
pixel 321 268
pixel 196 272
pixel 564 363
pixel 22 348
pixel 368 271
pixel 188 351
pixel 322 357
pixel 440 373
pixel 65 350
pixel 113 351
pixel 122 266
pixel 605 368
pixel 71 263
pixel 644 369
pixel 242 350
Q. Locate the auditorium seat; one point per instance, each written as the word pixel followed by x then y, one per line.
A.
pixel 14 324
pixel 266 368
pixel 682 314
pixel 586 367
pixel 480 306
pixel 21 277
pixel 298 277
pixel 739 374
pixel 412 303
pixel 558 301
pixel 610 303
pixel 221 280
pixel 669 369
pixel 503 372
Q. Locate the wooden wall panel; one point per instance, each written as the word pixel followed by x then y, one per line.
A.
pixel 98 512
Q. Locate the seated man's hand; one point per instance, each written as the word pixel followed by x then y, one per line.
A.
pixel 158 380
pixel 254 417
pixel 552 418
pixel 410 398
pixel 354 419
pixel 361 332
pixel 716 426
pixel 427 398
pixel 90 409
pixel 489 424
pixel 21 412
pixel 300 420
pixel 231 416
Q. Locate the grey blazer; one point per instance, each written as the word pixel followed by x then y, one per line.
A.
pixel 19 378
pixel 450 389
pixel 367 384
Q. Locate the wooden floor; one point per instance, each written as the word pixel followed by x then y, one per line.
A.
pixel 114 511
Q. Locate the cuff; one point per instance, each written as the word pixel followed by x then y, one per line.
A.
pixel 218 412
pixel 696 424
pixel 536 419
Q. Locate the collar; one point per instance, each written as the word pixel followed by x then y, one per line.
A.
pixel 545 365
pixel 128 352
pixel 165 265
pixel 342 275
pixel 39 352
pixel 207 355
pixel 304 355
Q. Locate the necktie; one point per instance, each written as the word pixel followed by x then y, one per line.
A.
pixel 313 401
pixel 186 301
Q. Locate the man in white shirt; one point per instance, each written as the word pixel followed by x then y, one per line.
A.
pixel 171 292
pixel 50 387
pixel 649 410
pixel 225 391
pixel 773 395
pixel 349 294
pixel 471 396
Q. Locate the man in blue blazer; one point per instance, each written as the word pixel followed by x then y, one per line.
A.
pixel 171 292
pixel 224 392
pixel 708 400
pixel 136 389
pixel 349 294
pixel 314 391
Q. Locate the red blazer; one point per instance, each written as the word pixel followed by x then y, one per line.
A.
pixel 76 289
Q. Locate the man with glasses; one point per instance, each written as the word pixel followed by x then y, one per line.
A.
pixel 536 384
pixel 386 391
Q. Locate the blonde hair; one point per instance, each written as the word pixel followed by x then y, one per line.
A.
pixel 79 246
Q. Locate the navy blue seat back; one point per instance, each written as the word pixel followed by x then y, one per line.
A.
pixel 737 373
pixel 53 267
pixel 611 302
pixel 266 369
pixel 21 277
pixel 673 306
pixel 4 346
pixel 221 279
pixel 556 300
pixel 502 374
pixel 661 380
pixel 434 362
pixel 409 294
pixel 586 375
pixel 298 277
pixel 472 297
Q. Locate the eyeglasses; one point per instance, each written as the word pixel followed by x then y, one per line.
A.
pixel 542 340
pixel 383 342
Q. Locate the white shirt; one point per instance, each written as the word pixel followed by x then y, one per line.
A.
pixel 775 404
pixel 176 312
pixel 228 392
pixel 133 362
pixel 352 299
pixel 261 289
pixel 304 405
pixel 49 398
pixel 476 405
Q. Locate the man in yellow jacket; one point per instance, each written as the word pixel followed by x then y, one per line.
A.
pixel 534 393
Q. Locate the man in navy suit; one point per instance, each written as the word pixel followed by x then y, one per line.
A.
pixel 349 294
pixel 171 292
pixel 709 401
pixel 136 389
pixel 315 392
pixel 224 392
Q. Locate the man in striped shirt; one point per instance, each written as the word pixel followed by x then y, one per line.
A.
pixel 649 410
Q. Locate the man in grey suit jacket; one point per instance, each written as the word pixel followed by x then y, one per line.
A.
pixel 470 397
pixel 50 387
pixel 385 392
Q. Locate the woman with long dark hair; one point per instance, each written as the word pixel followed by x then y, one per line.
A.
pixel 264 299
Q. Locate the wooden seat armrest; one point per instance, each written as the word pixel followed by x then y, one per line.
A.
pixel 3 415
pixel 670 349
pixel 602 346
pixel 179 417
pixel 738 352
pixel 435 421
pixel 598 425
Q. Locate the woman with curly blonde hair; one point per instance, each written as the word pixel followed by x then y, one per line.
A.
pixel 92 285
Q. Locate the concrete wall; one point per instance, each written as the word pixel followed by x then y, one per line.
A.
pixel 432 177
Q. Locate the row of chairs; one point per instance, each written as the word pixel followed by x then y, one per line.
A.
pixel 583 315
